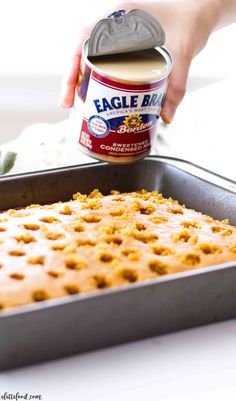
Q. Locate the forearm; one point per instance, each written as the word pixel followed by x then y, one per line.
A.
pixel 227 12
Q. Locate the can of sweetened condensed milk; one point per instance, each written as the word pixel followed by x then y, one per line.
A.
pixel 121 91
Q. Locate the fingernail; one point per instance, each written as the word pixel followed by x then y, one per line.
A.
pixel 63 103
pixel 169 112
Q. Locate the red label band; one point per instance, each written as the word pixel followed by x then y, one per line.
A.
pixel 117 145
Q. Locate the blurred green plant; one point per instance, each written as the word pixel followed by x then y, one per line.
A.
pixel 161 137
pixel 63 140
pixel 7 163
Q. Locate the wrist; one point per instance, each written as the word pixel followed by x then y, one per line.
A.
pixel 212 11
pixel 227 12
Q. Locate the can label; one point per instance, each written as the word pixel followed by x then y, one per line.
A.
pixel 119 119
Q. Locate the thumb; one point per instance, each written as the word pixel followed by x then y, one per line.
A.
pixel 177 86
pixel 70 79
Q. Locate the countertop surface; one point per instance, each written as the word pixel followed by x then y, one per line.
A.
pixel 192 365
pixel 196 364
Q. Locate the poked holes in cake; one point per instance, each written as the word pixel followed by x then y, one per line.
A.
pixel 75 262
pixel 182 236
pixel 49 219
pixel 36 260
pixel 132 254
pixel 74 227
pixel 158 219
pixel 191 224
pixel 140 226
pixel 53 236
pixel 16 252
pixel 71 289
pixel 31 226
pixel 118 199
pixel 145 237
pixel 91 204
pixel 192 259
pixel 232 247
pixel 112 228
pixel 40 295
pixel 158 267
pixel 142 208
pixel 25 238
pixel 223 231
pixel 127 273
pixel 209 248
pixel 60 246
pixel 162 250
pixel 105 256
pixel 174 209
pixel 66 210
pixel 2 229
pixel 112 239
pixel 54 274
pixel 117 212
pixel 86 242
pixel 17 276
pixel 91 218
pixel 101 281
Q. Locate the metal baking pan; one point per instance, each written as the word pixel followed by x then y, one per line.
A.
pixel 69 325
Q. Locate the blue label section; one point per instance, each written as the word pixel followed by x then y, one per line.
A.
pixel 132 121
pixel 98 126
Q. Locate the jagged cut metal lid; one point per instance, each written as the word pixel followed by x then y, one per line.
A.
pixel 123 32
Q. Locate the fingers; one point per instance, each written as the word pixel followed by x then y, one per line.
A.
pixel 176 87
pixel 70 79
pixel 69 83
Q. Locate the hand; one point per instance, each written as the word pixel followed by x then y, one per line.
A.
pixel 187 24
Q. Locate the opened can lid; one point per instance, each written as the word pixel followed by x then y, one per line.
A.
pixel 124 32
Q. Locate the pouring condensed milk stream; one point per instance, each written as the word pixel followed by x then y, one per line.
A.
pixel 122 84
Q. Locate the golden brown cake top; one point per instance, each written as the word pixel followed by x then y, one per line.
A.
pixel 95 242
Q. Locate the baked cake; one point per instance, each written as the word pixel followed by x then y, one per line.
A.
pixel 95 242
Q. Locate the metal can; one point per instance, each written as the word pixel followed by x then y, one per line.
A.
pixel 115 115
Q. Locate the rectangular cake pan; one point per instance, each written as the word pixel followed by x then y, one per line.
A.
pixel 62 327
